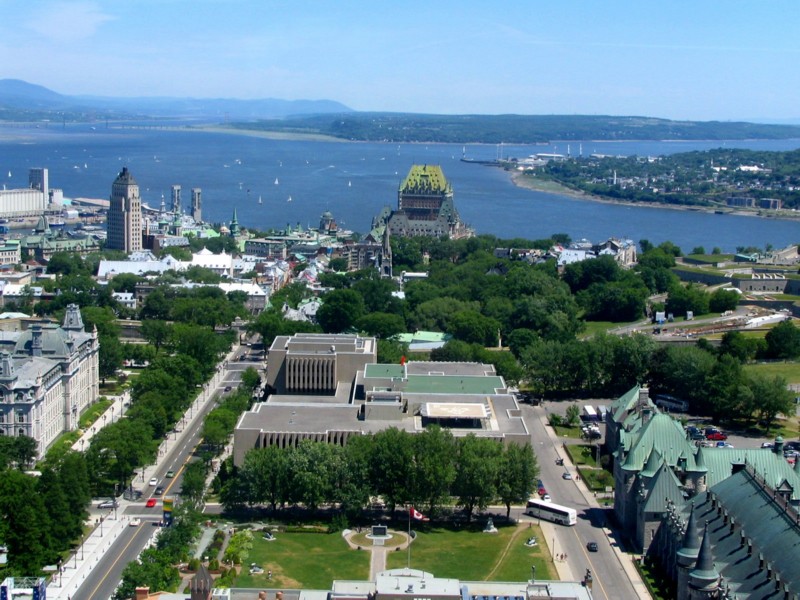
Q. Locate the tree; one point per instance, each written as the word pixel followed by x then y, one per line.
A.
pixel 250 380
pixel 391 465
pixel 773 396
pixel 434 468
pixel 156 332
pixel 477 465
pixel 24 523
pixel 516 475
pixel 783 341
pixel 723 300
pixel 382 325
pixel 340 310
pixel 472 327
pixel 265 476
pixel 193 483
pixel 573 415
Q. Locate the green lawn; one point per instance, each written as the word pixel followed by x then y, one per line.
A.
pixel 468 553
pixel 581 455
pixel 303 560
pixel 790 371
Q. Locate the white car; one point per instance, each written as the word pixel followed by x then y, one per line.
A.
pixel 154 481
pixel 547 498
pixel 135 523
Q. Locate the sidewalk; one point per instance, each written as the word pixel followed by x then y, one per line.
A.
pixel 625 560
pixel 103 535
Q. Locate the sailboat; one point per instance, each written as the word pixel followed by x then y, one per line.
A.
pixel 9 174
pixel 289 199
pixel 259 199
pixel 276 181
pixel 349 184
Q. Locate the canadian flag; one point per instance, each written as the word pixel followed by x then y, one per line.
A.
pixel 415 514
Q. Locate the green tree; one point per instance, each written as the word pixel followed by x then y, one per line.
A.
pixel 783 341
pixel 340 310
pixel 477 465
pixel 265 476
pixel 434 468
pixel 24 523
pixel 193 483
pixel 516 475
pixel 723 300
pixel 573 415
pixel 391 464
pixel 382 325
pixel 774 398
pixel 156 332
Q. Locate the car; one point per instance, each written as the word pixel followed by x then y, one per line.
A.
pixel 134 522
pixel 151 502
pixel 541 491
pixel 159 491
pixel 724 445
pixel 566 475
pixel 716 436
pixel 591 546
pixel 547 498
pixel 170 474
pixel 154 481
pixel 228 388
pixel 767 445
pixel 108 504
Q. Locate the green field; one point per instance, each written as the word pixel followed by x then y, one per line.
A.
pixel 790 371
pixel 472 555
pixel 303 560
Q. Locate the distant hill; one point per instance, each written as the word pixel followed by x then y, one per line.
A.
pixel 20 100
pixel 516 129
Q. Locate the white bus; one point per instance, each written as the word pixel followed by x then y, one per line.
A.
pixel 551 512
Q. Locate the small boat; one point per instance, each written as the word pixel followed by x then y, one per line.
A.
pixel 259 200
pixel 276 181
pixel 349 184
pixel 289 199
pixel 9 174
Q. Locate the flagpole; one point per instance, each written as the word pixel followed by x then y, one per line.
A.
pixel 408 560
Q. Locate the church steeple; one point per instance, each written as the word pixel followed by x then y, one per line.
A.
pixel 234 225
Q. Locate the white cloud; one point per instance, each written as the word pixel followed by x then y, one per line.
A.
pixel 68 21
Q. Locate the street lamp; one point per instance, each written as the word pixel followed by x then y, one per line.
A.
pixel 101 526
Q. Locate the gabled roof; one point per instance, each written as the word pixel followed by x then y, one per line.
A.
pixel 663 488
pixel 624 403
pixel 769 465
pixel 663 433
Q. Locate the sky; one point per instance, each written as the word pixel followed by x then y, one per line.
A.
pixel 676 59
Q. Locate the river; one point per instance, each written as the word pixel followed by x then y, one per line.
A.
pixel 271 183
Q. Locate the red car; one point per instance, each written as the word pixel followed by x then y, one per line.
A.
pixel 151 502
pixel 716 436
pixel 542 491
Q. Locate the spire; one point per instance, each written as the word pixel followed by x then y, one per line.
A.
pixel 72 318
pixel 690 546
pixel 234 224
pixel 700 461
pixel 705 575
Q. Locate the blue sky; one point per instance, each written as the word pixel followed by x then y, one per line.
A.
pixel 677 59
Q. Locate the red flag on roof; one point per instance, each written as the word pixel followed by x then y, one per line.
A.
pixel 402 360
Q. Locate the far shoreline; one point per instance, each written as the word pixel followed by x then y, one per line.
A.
pixel 527 182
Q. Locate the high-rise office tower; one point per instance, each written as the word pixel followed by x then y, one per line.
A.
pixel 125 214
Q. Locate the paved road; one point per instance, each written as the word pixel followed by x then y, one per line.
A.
pixel 95 573
pixel 611 570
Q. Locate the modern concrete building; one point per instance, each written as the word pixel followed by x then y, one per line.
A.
pixel 48 376
pixel 32 201
pixel 125 214
pixel 328 388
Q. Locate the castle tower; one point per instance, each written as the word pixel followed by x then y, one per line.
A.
pixel 73 321
pixel 125 214
pixel 704 578
pixel 197 205
pixel 686 556
pixel 386 254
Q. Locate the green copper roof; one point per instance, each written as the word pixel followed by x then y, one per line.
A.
pixel 393 371
pixel 773 467
pixel 452 384
pixel 425 179
pixel 663 433
pixel 664 487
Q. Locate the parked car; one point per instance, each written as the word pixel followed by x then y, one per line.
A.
pixel 566 475
pixel 228 388
pixel 547 498
pixel 694 433
pixel 541 491
pixel 716 436
pixel 591 546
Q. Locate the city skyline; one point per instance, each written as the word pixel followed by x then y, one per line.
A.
pixel 680 60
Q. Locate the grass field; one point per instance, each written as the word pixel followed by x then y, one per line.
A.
pixel 314 560
pixel 304 560
pixel 790 371
pixel 472 555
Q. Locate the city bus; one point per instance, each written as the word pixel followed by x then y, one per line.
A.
pixel 551 512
